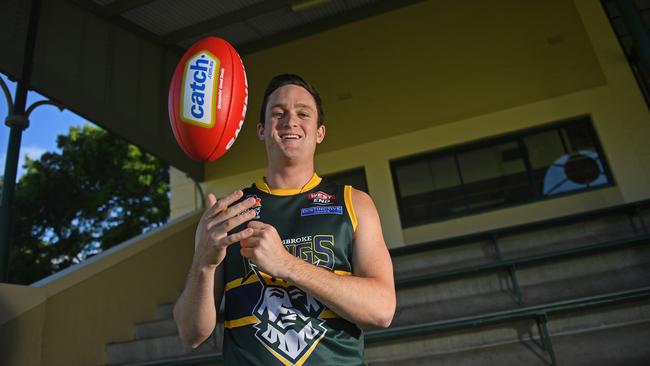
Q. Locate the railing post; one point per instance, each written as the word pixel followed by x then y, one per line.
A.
pixel 17 121
pixel 512 271
pixel 547 345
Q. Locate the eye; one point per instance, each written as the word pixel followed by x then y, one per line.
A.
pixel 277 114
pixel 303 115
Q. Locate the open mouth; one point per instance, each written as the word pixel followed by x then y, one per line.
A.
pixel 290 136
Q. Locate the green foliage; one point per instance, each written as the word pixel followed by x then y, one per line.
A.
pixel 96 193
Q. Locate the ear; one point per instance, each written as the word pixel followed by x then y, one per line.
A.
pixel 260 131
pixel 320 134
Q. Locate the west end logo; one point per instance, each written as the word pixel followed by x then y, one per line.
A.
pixel 288 321
pixel 321 198
pixel 198 97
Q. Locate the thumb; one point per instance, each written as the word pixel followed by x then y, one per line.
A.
pixel 211 200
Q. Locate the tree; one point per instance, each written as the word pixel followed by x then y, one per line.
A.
pixel 97 192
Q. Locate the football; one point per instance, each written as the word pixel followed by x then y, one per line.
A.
pixel 207 100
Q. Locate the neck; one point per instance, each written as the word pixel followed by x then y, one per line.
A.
pixel 289 177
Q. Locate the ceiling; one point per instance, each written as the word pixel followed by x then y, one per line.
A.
pixel 250 25
pixel 110 60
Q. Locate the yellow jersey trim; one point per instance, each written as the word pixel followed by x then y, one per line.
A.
pixel 313 182
pixel 235 323
pixel 240 282
pixel 328 314
pixel 348 205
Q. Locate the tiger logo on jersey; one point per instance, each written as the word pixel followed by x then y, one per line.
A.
pixel 288 320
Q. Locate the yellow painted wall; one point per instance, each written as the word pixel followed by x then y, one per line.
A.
pixel 21 339
pixel 422 66
pixel 498 68
pixel 89 305
pixel 22 314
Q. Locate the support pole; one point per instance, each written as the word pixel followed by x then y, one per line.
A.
pixel 17 122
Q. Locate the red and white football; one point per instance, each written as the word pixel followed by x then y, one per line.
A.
pixel 208 96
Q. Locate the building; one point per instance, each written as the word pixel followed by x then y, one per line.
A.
pixel 461 117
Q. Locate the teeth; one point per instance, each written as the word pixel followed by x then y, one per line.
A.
pixel 291 137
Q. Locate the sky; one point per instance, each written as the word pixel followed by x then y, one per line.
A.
pixel 46 123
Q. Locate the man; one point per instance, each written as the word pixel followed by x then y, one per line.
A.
pixel 302 261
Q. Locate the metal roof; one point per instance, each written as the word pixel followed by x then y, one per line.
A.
pixel 110 60
pixel 250 25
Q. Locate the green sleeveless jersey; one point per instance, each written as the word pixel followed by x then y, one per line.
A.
pixel 269 321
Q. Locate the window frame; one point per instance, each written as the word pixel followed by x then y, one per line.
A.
pixel 361 169
pixel 514 136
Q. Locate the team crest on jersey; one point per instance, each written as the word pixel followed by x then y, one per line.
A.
pixel 257 206
pixel 321 198
pixel 288 325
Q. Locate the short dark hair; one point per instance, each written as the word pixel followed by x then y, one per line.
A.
pixel 279 81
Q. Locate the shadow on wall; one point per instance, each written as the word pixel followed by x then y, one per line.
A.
pixel 22 311
pixel 10 333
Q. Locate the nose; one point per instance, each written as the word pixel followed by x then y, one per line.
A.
pixel 290 120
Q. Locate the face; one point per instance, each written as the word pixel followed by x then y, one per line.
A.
pixel 291 130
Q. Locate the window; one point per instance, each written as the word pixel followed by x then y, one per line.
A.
pixel 356 178
pixel 499 172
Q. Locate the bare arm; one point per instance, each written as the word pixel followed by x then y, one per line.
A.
pixel 195 311
pixel 366 298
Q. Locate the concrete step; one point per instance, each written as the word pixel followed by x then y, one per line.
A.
pixel 475 339
pixel 478 293
pixel 159 348
pixel 627 344
pixel 492 291
pixel 616 334
pixel 532 242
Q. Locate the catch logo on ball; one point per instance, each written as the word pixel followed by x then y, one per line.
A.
pixel 199 83
pixel 208 97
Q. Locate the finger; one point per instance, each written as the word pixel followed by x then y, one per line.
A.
pixel 258 225
pixel 222 203
pixel 239 236
pixel 226 226
pixel 212 199
pixel 250 242
pixel 235 210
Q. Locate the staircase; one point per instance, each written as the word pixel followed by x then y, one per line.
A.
pixel 573 290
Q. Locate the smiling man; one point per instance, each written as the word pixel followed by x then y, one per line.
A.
pixel 302 260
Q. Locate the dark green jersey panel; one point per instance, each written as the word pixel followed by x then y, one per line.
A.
pixel 269 321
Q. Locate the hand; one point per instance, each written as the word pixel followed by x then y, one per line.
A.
pixel 211 239
pixel 265 249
